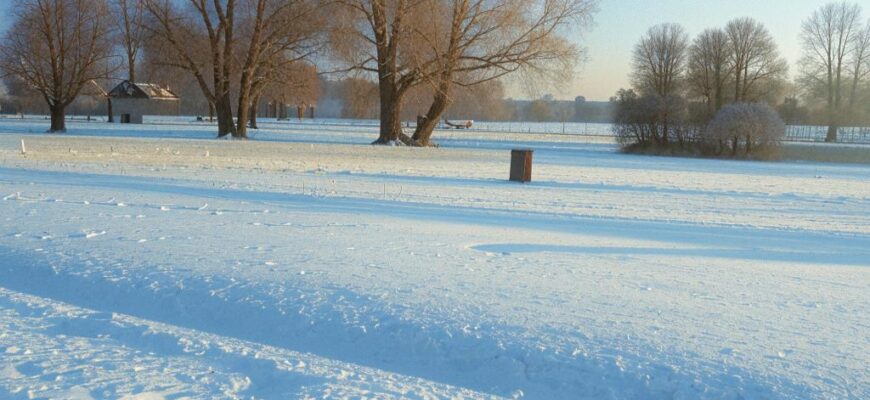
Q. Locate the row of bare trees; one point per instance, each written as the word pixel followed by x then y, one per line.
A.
pixel 738 63
pixel 235 50
pixel 236 46
pixel 836 61
pixel 681 84
pixel 238 51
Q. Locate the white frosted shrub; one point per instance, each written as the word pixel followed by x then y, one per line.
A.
pixel 747 128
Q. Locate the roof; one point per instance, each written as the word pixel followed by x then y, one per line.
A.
pixel 92 88
pixel 151 91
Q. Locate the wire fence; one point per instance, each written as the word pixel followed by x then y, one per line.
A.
pixel 794 133
pixel 810 133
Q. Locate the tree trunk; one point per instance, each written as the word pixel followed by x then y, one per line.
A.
pixel 390 113
pixel 210 112
pixel 832 111
pixel 111 116
pixel 255 106
pixel 58 118
pixel 131 67
pixel 737 72
pixel 224 110
pixel 832 132
pixel 426 125
pixel 244 114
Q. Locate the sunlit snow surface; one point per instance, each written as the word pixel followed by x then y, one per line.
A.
pixel 307 264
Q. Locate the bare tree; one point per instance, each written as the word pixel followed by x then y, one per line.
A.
pixel 236 44
pixel 829 37
pixel 477 41
pixel 56 47
pixel 659 65
pixel 659 60
pixel 130 33
pixel 860 64
pixel 375 36
pixel 200 39
pixel 755 58
pixel 709 68
pixel 129 21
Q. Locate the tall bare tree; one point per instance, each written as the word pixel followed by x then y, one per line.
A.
pixel 129 20
pixel 245 41
pixel 659 66
pixel 709 68
pixel 477 41
pixel 199 37
pixel 57 47
pixel 405 43
pixel 659 60
pixel 755 59
pixel 129 30
pixel 831 36
pixel 860 64
pixel 373 36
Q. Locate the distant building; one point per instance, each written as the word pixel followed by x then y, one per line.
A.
pixel 131 101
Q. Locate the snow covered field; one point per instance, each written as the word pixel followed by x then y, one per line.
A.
pixel 154 262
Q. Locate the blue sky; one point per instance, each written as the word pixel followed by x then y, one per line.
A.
pixel 620 23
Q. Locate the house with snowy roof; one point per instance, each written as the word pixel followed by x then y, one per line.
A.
pixel 131 101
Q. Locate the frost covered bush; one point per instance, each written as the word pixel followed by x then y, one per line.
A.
pixel 751 129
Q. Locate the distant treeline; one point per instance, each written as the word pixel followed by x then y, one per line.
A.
pixel 358 98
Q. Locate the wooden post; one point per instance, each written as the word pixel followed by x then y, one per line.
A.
pixel 521 165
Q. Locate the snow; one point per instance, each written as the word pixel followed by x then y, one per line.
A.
pixel 155 262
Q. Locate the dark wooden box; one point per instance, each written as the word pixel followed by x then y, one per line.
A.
pixel 521 165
